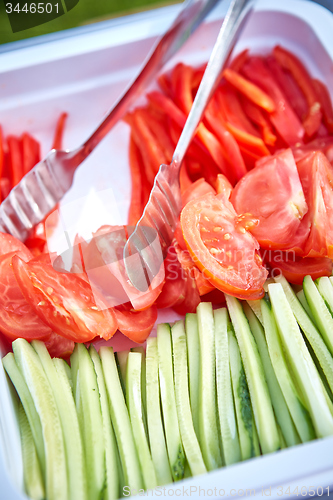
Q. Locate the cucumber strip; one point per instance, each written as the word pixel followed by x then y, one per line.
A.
pixel 298 411
pixel 208 413
pixel 228 425
pixel 74 371
pixel 24 394
pixel 154 417
pixel 121 421
pixel 325 288
pixel 261 401
pixel 248 438
pixel 68 371
pixel 141 350
pixel 90 421
pixel 55 458
pixel 63 395
pixel 283 417
pixel 121 360
pixel 189 438
pixel 256 308
pixel 301 362
pixel 310 331
pixel 33 479
pixel 170 419
pixel 134 405
pixel 193 359
pixel 112 486
pixel 321 314
pixel 301 297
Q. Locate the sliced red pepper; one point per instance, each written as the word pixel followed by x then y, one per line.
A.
pixel 283 118
pixel 291 63
pixel 250 142
pixel 249 89
pixel 257 116
pixel 135 209
pixel 238 62
pixel 15 159
pixel 184 179
pixel 59 131
pixel 325 102
pixel 30 152
pixel 289 87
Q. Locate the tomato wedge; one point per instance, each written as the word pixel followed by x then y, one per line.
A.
pixel 136 325
pixel 294 268
pixel 10 244
pixel 222 248
pixel 64 301
pixel 273 193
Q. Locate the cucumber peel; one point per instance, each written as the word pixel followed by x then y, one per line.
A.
pixel 193 358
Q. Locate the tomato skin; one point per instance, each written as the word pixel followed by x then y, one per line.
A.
pixel 226 254
pixel 174 288
pixel 64 301
pixel 136 325
pixel 10 244
pixel 58 346
pixel 294 269
pixel 198 188
pixel 273 193
pixel 17 317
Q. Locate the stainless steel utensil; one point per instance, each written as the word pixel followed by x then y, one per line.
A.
pixel 43 187
pixel 148 244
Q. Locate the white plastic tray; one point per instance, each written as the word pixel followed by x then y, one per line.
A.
pixel 82 72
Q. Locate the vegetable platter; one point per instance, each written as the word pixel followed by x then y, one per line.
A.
pixel 82 72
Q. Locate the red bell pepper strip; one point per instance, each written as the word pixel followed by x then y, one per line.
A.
pixel 249 89
pixel 256 115
pixel 289 87
pixel 249 141
pixel 184 179
pixel 291 63
pixel 238 62
pixel 15 159
pixel 325 102
pixel 30 152
pixel 59 131
pixel 283 118
pixel 135 209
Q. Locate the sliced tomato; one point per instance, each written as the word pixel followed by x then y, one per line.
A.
pixel 294 268
pixel 17 317
pixel 174 288
pixel 316 174
pixel 272 192
pixel 64 301
pixel 136 325
pixel 58 346
pixel 227 254
pixel 10 244
pixel 197 189
pixel 223 187
pixel 192 297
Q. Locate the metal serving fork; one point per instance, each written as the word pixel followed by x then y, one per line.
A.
pixel 148 244
pixel 43 187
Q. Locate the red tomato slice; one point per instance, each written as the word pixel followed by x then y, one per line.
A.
pixel 316 174
pixel 198 188
pixel 294 268
pixel 273 193
pixel 222 248
pixel 58 346
pixel 136 325
pixel 64 301
pixel 10 244
pixel 17 317
pixel 174 288
pixel 192 297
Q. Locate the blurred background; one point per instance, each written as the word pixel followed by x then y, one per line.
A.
pixel 85 12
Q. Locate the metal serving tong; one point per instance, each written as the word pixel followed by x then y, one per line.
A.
pixel 42 188
pixel 148 244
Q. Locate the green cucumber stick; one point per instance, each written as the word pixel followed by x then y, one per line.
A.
pixel 248 438
pixel 111 466
pixel 301 297
pixel 296 406
pixel 134 405
pixel 193 358
pixel 141 350
pixel 208 412
pixel 121 360
pixel 228 425
pixel 311 333
pixel 63 395
pixel 189 438
pixel 154 416
pixel 33 478
pixel 55 458
pixel 90 421
pixel 254 371
pixel 320 311
pixel 27 401
pixel 121 421
pixel 301 363
pixel 168 398
pixel 281 411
